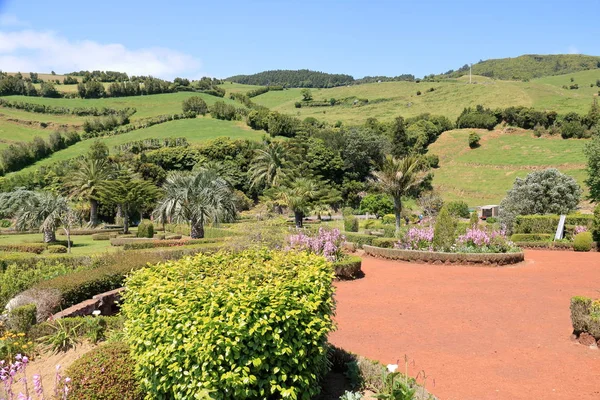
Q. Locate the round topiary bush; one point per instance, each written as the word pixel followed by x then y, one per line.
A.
pixel 583 241
pixel 107 372
pixel 57 249
pixel 145 230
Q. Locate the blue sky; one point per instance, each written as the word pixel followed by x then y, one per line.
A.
pixel 222 38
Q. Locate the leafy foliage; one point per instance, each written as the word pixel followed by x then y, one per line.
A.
pixel 445 230
pixel 294 78
pixel 267 343
pixel 583 241
pixel 458 209
pixel 195 104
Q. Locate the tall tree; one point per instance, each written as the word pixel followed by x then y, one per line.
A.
pixel 399 138
pixel 196 198
pixel 85 183
pixel 397 177
pixel 271 166
pixel 592 151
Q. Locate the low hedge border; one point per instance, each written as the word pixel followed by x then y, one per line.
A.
pixel 36 248
pixel 85 232
pixel 531 237
pixel 359 239
pixel 167 243
pixel 585 316
pixel 348 268
pixel 557 246
pixel 452 258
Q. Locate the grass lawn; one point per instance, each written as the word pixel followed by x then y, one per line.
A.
pixel 194 130
pixel 11 132
pixel 81 244
pixel 484 175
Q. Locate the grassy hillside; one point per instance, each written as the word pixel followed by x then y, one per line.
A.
pixel 531 66
pixel 484 175
pixel 390 99
pixel 11 132
pixel 194 130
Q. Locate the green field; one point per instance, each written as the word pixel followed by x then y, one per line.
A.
pixel 390 99
pixel 484 175
pixel 12 132
pixel 194 130
pixel 146 106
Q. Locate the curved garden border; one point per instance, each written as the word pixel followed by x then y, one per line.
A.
pixel 452 258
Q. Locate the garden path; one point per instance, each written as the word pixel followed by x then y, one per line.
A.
pixel 479 333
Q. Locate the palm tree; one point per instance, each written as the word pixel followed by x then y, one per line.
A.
pixel 298 196
pixel 45 211
pixel 86 181
pixel 270 166
pixel 196 198
pixel 398 176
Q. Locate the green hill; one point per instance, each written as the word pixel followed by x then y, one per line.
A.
pixel 530 66
pixel 293 78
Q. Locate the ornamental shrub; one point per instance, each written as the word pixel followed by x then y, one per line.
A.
pixel 549 223
pixel 145 230
pixel 458 209
pixel 21 319
pixel 351 224
pixel 57 249
pixel 583 241
pixel 474 219
pixel 596 224
pixel 444 231
pixel 106 372
pixel 389 219
pixel 245 325
pixel 532 237
pixel 474 139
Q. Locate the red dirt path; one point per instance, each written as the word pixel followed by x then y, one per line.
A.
pixel 480 333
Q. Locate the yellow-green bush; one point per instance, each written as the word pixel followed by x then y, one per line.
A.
pixel 245 325
pixel 583 241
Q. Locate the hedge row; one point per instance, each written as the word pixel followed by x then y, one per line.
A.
pixel 82 232
pixel 359 239
pixel 152 244
pixel 549 245
pixel 109 274
pixel 234 316
pixel 532 237
pixel 548 223
pixel 385 242
pixel 48 109
pixel 348 268
pixel 36 248
pixel 433 257
pixel 209 232
pixel 585 316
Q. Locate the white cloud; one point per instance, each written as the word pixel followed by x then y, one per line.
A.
pixel 573 50
pixel 31 50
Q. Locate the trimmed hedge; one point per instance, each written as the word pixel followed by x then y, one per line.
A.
pixel 109 273
pixel 359 239
pixel 101 236
pixel 583 241
pixel 85 232
pixel 348 268
pixel 548 223
pixel 209 232
pixel 106 372
pixel 252 324
pixel 532 237
pixel 386 243
pixel 36 248
pixel 433 257
pixel 389 219
pixel 145 230
pixel 21 319
pixel 585 316
pixel 168 243
pixel 57 249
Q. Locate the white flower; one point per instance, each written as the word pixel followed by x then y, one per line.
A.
pixel 95 313
pixel 392 367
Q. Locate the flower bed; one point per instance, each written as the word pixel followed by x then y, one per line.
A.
pixel 440 257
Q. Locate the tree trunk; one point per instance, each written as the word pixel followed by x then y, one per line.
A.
pixel 197 230
pixel 119 216
pixel 125 223
pixel 398 212
pixel 93 212
pixel 49 236
pixel 298 218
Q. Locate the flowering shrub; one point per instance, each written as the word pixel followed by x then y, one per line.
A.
pixel 477 240
pixel 579 229
pixel 12 344
pixel 417 239
pixel 327 243
pixel 14 373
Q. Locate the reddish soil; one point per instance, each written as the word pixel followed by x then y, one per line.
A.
pixel 478 333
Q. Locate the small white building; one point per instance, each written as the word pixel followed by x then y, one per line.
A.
pixel 485 212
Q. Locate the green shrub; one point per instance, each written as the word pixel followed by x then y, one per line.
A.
pixel 351 224
pixel 387 243
pixel 57 249
pixel 531 237
pixel 106 372
pixel 86 232
pixel 173 237
pixel 359 239
pixel 5 223
pixel 348 267
pixel 548 223
pixel 347 211
pixel 168 243
pixel 145 230
pixel 583 241
pixel 458 209
pixel 160 236
pixel 102 236
pixel 445 230
pixel 491 220
pixel 585 316
pixel 21 319
pixel 389 231
pixel 474 139
pixel 389 219
pixel 36 248
pixel 474 219
pixel 596 224
pixel 234 317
